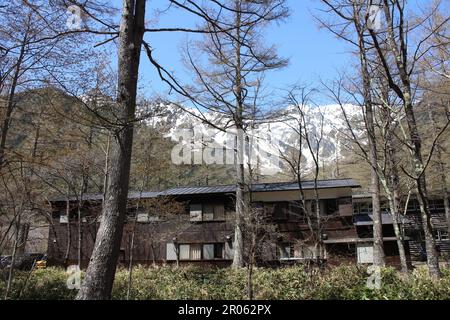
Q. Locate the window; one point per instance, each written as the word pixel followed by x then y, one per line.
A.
pixel 365 208
pixel 171 253
pixel 287 251
pixel 441 235
pixel 208 251
pixel 280 210
pixel 142 217
pixel 207 212
pixel 195 211
pixel 63 218
pixel 290 250
pixel 213 251
pixel 331 206
pixel 190 251
pixel 296 211
pixel 437 205
pixel 184 251
pixel 411 206
pixel 195 252
pixel 219 211
pixel 218 251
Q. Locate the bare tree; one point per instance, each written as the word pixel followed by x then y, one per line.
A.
pixel 31 55
pixel 229 83
pixel 102 266
pixel 440 166
pixel 310 139
pixel 353 15
pixel 392 42
pixel 388 54
pixel 389 167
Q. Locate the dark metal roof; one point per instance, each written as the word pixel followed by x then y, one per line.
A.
pixel 321 184
pixel 231 188
pixel 199 190
pixel 263 187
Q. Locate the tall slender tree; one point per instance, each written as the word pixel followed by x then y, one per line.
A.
pixel 102 266
pixel 354 15
pixel 399 76
pixel 228 69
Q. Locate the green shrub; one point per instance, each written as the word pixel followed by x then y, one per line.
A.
pixel 289 283
pixel 44 284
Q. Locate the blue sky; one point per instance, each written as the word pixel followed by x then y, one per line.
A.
pixel 313 54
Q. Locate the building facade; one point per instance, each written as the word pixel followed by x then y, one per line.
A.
pixel 195 225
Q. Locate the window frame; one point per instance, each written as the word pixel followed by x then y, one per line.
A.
pixel 213 214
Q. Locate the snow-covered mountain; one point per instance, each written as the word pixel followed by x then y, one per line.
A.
pixel 267 142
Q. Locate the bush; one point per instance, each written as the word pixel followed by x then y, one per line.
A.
pixel 289 283
pixel 43 284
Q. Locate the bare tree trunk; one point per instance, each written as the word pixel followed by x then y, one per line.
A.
pixel 69 233
pixel 83 188
pixel 398 47
pixel 13 259
pixel 152 247
pixel 130 265
pixel 24 287
pixel 394 204
pixel 319 245
pixel 444 190
pixel 80 231
pixel 392 187
pixel 440 164
pixel 11 268
pixel 177 253
pixel 422 193
pixel 378 249
pixel 6 232
pixel 102 266
pixel 250 279
pixel 238 260
pixel 106 170
pixel 22 231
pixel 394 208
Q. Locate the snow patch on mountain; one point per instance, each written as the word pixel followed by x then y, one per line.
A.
pixel 268 141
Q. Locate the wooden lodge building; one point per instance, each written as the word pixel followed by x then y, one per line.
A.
pixel 203 229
